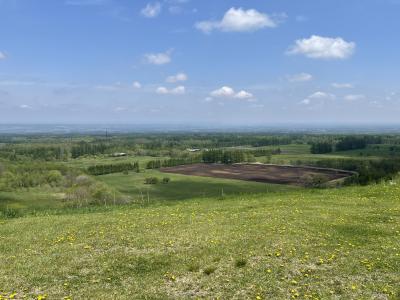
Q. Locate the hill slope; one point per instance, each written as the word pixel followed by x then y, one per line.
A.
pixel 307 244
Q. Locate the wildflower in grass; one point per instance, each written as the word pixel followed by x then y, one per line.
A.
pixel 170 276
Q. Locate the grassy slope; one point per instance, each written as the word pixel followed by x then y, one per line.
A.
pixel 303 243
pixel 180 188
pixel 184 187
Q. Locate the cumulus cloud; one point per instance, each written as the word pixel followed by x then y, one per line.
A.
pixel 323 47
pixel 342 85
pixel 2 55
pixel 177 77
pixel 224 91
pixel 317 97
pixel 244 95
pixel 228 92
pixel 158 58
pixel 354 97
pixel 179 90
pixel 136 84
pixel 321 95
pixel 238 20
pixel 305 101
pixel 151 10
pixel 162 90
pixel 302 77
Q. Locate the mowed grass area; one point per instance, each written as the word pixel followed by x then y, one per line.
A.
pixel 305 244
pixel 133 187
pixel 182 187
pixel 30 200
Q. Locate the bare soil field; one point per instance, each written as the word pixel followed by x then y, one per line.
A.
pixel 292 175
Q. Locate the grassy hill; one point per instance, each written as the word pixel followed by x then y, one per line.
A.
pixel 306 244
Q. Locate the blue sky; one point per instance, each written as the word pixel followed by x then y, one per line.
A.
pixel 197 61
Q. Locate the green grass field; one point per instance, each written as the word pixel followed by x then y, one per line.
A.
pixel 305 244
pixel 183 187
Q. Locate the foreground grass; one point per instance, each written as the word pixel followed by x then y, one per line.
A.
pixel 306 244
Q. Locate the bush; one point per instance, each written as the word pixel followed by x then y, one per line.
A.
pixel 151 180
pixel 315 180
pixel 10 213
pixel 83 180
pixel 54 177
pixel 102 194
pixel 166 180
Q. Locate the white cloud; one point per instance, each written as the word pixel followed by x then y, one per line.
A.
pixel 162 90
pixel 354 97
pixel 238 20
pixel 244 95
pixel 225 91
pixel 342 85
pixel 158 58
pixel 137 84
pixel 179 90
pixel 323 48
pixel 25 106
pixel 2 55
pixel 177 77
pixel 321 95
pixel 305 101
pixel 151 10
pixel 317 98
pixel 228 92
pixel 302 77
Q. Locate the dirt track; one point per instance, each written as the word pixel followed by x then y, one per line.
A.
pixel 258 172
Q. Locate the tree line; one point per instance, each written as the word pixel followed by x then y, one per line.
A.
pixel 113 168
pixel 343 144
